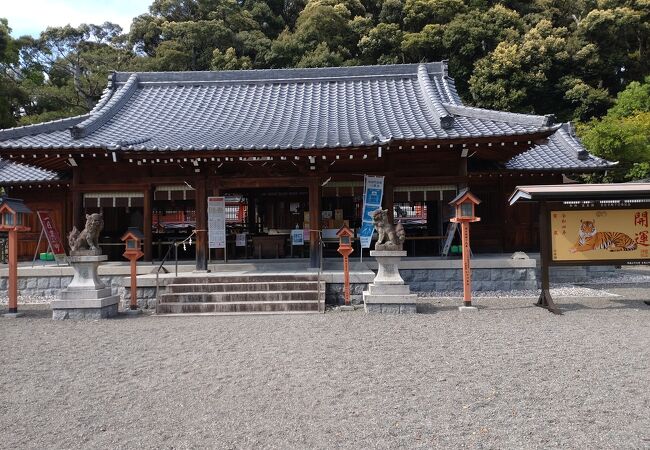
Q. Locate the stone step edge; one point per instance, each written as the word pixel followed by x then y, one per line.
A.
pixel 239 313
pixel 302 291
pixel 243 283
pixel 254 302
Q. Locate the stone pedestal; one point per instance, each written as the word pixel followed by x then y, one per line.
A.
pixel 86 297
pixel 388 294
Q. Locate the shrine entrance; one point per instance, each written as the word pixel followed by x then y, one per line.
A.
pixel 259 223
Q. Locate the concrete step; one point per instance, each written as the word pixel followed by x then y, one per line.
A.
pixel 239 307
pixel 244 278
pixel 246 296
pixel 265 286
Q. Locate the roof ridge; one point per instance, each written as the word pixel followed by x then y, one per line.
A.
pixel 107 110
pixel 44 127
pixel 279 75
pixel 501 116
pixel 431 99
pixel 107 93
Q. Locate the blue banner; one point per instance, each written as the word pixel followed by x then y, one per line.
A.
pixel 373 191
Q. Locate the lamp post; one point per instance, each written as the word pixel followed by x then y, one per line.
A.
pixel 13 219
pixel 465 203
pixel 132 239
pixel 345 248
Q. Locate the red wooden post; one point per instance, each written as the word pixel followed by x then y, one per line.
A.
pixel 346 280
pixel 133 239
pixel 13 272
pixel 345 248
pixel 465 203
pixel 134 283
pixel 467 274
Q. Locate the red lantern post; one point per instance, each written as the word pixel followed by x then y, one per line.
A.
pixel 345 248
pixel 13 218
pixel 465 203
pixel 132 239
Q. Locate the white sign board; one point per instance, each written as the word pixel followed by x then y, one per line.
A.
pixel 297 237
pixel 217 222
pixel 240 240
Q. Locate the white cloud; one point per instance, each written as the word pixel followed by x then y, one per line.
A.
pixel 34 16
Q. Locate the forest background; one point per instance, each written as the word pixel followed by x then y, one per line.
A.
pixel 586 61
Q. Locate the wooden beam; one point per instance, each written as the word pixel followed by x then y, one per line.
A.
pixel 201 206
pixel 314 223
pixel 148 223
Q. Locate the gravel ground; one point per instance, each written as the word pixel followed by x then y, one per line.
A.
pixel 509 376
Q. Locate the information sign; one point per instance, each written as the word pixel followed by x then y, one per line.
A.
pixel 373 191
pixel 600 234
pixel 297 237
pixel 52 235
pixel 217 222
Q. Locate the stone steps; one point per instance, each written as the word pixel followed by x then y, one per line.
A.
pixel 247 296
pixel 243 287
pixel 239 278
pixel 239 307
pixel 243 294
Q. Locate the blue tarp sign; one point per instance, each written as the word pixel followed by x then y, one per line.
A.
pixel 373 191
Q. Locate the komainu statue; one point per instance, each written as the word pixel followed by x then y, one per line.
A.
pixel 386 230
pixel 88 238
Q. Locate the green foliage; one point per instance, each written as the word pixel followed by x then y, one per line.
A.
pixel 624 133
pixel 566 57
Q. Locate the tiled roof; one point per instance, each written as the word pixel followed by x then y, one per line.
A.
pixel 16 173
pixel 276 109
pixel 563 150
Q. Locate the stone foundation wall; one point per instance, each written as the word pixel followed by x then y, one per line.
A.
pixel 50 285
pixel 420 281
pixel 440 280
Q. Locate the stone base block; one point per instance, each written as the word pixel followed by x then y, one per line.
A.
pixel 391 308
pixel 85 308
pixel 389 303
pixel 80 294
pixel 388 289
pixel 85 313
pixel 13 315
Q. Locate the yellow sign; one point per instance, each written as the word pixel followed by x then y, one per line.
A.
pixel 584 235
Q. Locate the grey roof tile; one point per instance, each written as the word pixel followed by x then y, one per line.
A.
pixel 292 109
pixel 563 150
pixel 17 173
pixel 275 109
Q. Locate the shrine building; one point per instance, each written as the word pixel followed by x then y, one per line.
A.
pixel 288 149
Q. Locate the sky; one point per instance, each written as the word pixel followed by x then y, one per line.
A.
pixel 33 16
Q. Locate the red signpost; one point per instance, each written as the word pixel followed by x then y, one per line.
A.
pixel 464 203
pixel 133 237
pixel 345 248
pixel 12 220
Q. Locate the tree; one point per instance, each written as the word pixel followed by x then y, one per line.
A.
pixel 12 96
pixel 624 133
pixel 65 69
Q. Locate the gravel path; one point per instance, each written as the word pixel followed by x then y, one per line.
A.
pixel 509 376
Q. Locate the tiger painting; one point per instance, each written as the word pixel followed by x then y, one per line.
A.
pixel 590 239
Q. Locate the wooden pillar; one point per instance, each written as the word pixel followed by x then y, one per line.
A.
pixel 77 200
pixel 12 284
pixel 314 223
pixel 148 223
pixel 201 206
pixel 389 198
pixel 545 299
pixel 462 171
pixel 219 253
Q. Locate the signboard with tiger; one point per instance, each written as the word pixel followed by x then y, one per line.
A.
pixel 600 235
